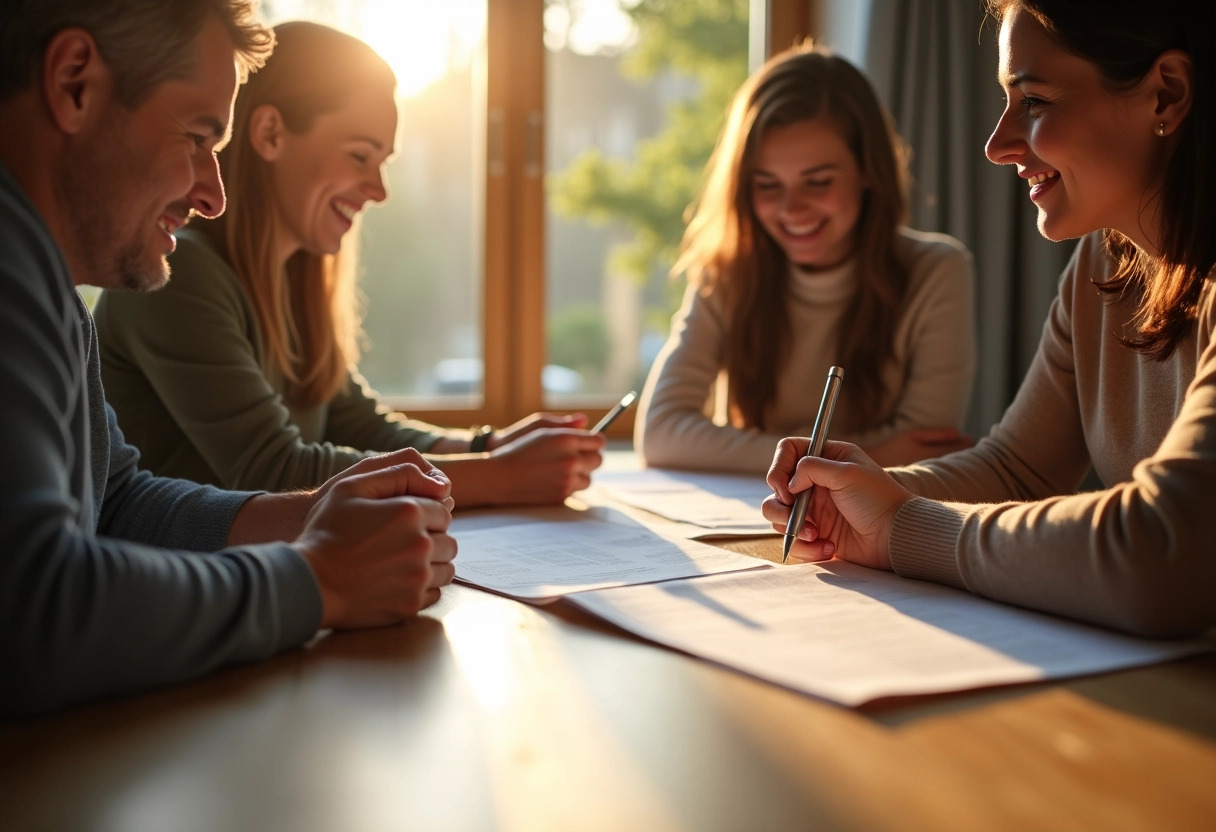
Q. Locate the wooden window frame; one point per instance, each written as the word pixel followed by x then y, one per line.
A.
pixel 514 288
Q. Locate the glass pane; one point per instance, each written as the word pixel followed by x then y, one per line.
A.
pixel 421 251
pixel 636 93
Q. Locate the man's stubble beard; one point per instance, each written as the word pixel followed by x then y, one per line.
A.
pixel 101 250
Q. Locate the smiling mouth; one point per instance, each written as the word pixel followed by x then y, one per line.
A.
pixel 803 230
pixel 174 218
pixel 170 225
pixel 1040 178
pixel 346 210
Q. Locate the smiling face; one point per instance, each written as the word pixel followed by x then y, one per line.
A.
pixel 134 179
pixel 323 177
pixel 807 191
pixel 1088 155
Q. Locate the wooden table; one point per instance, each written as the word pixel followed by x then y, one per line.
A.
pixel 488 714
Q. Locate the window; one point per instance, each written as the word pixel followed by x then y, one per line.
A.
pixel 547 150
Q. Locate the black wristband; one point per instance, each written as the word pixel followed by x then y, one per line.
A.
pixel 481 438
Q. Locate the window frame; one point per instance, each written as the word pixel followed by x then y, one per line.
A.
pixel 514 280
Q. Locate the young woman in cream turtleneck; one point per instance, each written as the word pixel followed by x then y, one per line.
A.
pixel 797 260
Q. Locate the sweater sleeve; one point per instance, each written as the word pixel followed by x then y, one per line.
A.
pixel 197 348
pixel 358 418
pixel 673 429
pixel 83 612
pixel 140 507
pixel 937 350
pixel 87 616
pixel 1038 448
pixel 1136 556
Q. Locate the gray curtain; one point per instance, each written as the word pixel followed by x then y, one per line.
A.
pixel 934 64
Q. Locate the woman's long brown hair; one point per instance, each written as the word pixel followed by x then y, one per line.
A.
pixel 726 250
pixel 309 317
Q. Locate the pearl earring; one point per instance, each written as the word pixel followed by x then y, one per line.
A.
pixel 1161 128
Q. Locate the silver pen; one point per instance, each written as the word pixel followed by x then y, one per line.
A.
pixel 617 410
pixel 819 433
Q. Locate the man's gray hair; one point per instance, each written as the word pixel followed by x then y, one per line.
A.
pixel 144 42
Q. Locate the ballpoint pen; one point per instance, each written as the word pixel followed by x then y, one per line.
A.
pixel 617 410
pixel 819 433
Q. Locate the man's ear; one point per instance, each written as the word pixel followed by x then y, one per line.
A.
pixel 266 131
pixel 1173 76
pixel 76 83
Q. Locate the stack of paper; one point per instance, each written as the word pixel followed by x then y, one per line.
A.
pixel 838 631
pixel 851 634
pixel 716 505
pixel 540 561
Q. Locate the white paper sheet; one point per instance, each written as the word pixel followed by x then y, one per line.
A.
pixel 851 634
pixel 540 561
pixel 722 504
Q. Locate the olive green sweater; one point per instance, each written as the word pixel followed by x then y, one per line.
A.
pixel 185 371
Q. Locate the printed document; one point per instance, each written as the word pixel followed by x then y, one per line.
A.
pixel 720 504
pixel 540 561
pixel 850 634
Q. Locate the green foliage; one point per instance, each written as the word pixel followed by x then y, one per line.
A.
pixel 703 39
pixel 578 338
pixel 700 38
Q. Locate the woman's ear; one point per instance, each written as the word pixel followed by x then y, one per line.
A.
pixel 266 131
pixel 1173 77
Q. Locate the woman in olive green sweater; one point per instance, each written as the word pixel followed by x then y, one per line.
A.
pixel 240 372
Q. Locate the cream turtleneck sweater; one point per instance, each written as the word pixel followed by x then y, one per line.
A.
pixel 681 421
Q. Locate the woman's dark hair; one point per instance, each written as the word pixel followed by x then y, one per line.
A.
pixel 1123 39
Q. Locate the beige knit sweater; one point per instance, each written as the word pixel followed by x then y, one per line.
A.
pixel 1139 555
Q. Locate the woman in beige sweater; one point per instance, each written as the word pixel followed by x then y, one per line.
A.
pixel 1110 119
pixel 797 260
pixel 241 372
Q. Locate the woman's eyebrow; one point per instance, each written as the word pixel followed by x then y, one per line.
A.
pixel 1013 79
pixel 813 169
pixel 376 143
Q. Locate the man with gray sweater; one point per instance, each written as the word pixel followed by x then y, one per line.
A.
pixel 111 579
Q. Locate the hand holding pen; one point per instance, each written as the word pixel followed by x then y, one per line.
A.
pixel 853 519
pixel 819 433
pixel 559 462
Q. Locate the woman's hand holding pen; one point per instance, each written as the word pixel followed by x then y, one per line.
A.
pixel 851 508
pixel 535 422
pixel 545 466
pixel 541 466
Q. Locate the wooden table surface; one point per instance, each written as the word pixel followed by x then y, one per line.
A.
pixel 488 714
